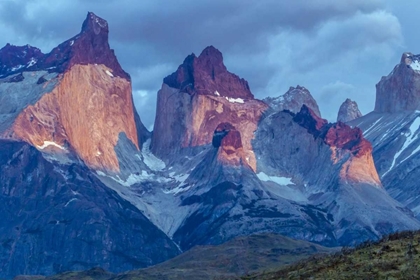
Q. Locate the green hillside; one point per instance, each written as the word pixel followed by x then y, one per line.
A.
pixel 394 257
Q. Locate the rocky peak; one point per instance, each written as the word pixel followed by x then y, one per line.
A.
pixel 207 75
pixel 293 100
pixel 342 136
pixel 84 104
pixel 348 111
pixel 94 24
pixel 400 90
pixel 90 46
pixel 308 119
pixel 15 59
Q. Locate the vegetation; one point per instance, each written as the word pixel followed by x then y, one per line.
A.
pixel 396 256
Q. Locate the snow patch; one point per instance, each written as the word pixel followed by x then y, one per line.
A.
pixel 216 93
pixel 109 73
pixel 415 65
pixel 50 143
pixel 177 190
pixel 278 180
pixel 150 159
pixel 235 100
pixel 17 67
pixel 31 62
pixel 71 200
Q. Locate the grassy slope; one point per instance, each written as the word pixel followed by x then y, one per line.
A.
pixel 394 257
pixel 240 256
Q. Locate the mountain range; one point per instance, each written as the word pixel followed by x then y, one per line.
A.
pixel 84 184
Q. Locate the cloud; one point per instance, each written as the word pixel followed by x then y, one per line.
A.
pixel 354 51
pixel 273 44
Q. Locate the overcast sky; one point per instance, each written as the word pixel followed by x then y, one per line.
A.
pixel 337 49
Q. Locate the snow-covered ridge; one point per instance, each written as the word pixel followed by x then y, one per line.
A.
pixel 411 136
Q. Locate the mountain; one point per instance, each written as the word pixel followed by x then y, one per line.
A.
pixel 55 88
pixel 239 167
pixel 81 177
pixel 398 91
pixel 348 111
pixel 195 99
pixel 393 257
pixel 393 129
pixel 240 256
pixel 61 116
pixel 293 100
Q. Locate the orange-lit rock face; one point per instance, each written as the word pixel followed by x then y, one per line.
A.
pixel 361 170
pixel 209 111
pixel 349 143
pixel 183 120
pixel 87 110
pixel 199 96
pixel 348 147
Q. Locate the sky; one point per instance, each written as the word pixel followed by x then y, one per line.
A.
pixel 336 49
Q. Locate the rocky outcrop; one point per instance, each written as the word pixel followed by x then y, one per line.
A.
pixel 88 105
pixel 359 166
pixel 195 99
pixel 348 111
pixel 400 90
pixel 207 75
pixel 293 100
pixel 347 145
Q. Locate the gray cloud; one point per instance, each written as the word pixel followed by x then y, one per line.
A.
pixel 323 45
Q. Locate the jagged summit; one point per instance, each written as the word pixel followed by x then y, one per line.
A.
pixel 207 75
pixel 293 100
pixel 76 98
pixel 400 90
pixel 348 111
pixel 95 24
pixel 90 46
